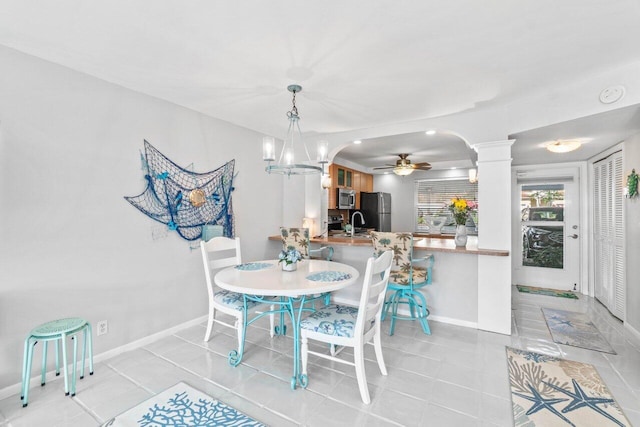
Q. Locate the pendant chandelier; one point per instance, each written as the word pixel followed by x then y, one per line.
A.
pixel 294 158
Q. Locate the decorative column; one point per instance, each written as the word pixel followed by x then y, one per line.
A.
pixel 494 232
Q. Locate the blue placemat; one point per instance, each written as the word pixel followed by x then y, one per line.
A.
pixel 252 266
pixel 329 276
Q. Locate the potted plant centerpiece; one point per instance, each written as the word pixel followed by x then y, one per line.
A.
pixel 461 209
pixel 289 259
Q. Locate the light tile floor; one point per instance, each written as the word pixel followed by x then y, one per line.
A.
pixel 455 377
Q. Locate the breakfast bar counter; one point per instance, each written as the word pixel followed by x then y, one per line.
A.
pixel 453 295
pixel 431 244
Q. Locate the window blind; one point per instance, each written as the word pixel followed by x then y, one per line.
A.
pixel 432 197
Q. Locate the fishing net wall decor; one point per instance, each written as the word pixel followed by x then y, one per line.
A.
pixel 185 200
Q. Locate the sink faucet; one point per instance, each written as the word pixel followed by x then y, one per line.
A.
pixel 353 227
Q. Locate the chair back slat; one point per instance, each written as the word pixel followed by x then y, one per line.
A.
pixel 220 252
pixel 376 279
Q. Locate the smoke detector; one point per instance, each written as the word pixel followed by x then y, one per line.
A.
pixel 612 94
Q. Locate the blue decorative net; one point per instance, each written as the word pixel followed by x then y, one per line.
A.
pixel 184 200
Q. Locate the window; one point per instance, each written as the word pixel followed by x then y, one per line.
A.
pixel 432 197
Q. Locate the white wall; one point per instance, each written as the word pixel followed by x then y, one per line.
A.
pixel 631 150
pixel 71 245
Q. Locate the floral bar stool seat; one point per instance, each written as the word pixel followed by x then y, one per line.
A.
pixel 408 275
pixel 57 330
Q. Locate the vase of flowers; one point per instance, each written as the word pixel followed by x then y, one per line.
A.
pixel 461 209
pixel 289 259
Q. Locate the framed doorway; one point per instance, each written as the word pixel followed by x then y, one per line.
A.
pixel 547 230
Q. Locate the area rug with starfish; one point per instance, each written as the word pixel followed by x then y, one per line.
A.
pixel 575 329
pixel 546 291
pixel 547 391
pixel 182 405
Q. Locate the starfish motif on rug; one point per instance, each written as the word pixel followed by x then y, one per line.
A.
pixel 581 399
pixel 539 403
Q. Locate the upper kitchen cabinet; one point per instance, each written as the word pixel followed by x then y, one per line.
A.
pixel 343 177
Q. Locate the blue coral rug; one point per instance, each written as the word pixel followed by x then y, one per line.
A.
pixel 182 405
pixel 547 391
pixel 575 329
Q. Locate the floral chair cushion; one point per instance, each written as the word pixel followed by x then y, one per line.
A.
pixel 401 277
pixel 232 300
pixel 337 320
pixel 295 238
pixel 402 269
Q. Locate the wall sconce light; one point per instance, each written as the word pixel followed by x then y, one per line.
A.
pixel 308 224
pixel 326 181
pixel 473 175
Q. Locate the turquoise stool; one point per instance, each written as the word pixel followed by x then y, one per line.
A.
pixel 57 330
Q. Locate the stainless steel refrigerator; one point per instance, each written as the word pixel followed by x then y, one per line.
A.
pixel 376 208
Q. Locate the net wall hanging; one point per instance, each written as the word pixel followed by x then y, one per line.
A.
pixel 184 200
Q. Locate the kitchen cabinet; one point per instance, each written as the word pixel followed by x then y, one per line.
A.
pixel 343 177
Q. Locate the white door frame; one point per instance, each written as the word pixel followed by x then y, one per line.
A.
pixel 577 169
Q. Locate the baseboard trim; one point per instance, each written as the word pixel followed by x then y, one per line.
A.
pixel 15 389
pixel 405 312
pixel 632 330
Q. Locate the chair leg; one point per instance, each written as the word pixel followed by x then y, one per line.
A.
pixel 358 354
pixel 239 324
pixel 423 312
pixel 25 374
pixel 304 350
pixel 212 316
pixel 272 322
pixel 394 311
pixel 377 345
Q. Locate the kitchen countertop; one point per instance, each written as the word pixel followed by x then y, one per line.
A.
pixel 433 244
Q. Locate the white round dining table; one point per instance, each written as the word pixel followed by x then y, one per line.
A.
pixel 263 280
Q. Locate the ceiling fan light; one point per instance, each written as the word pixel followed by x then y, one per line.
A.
pixel 403 170
pixel 563 146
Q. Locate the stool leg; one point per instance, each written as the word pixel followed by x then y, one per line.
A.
pixel 75 365
pixel 64 364
pixel 84 350
pixel 44 363
pixel 57 360
pixel 27 374
pixel 90 335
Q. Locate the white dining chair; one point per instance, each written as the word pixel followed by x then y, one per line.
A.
pixel 215 255
pixel 346 326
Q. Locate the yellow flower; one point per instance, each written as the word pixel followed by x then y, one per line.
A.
pixel 460 204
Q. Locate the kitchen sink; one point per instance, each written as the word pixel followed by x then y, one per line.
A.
pixel 355 236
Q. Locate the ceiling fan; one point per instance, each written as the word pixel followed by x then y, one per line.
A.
pixel 404 166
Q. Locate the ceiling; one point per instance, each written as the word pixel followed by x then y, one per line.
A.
pixel 362 64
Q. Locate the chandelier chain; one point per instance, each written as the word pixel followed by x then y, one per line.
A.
pixel 294 109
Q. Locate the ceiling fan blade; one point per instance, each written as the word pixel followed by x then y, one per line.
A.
pixel 422 164
pixel 386 167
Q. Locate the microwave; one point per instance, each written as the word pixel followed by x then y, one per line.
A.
pixel 346 199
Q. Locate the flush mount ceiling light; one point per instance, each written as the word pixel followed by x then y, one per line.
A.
pixel 357 141
pixel 294 158
pixel 431 132
pixel 563 146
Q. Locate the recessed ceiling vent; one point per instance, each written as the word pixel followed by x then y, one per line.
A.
pixel 612 94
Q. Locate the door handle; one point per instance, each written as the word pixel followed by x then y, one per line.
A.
pixel 573 236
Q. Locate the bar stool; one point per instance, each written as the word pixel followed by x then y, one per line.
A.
pixel 57 330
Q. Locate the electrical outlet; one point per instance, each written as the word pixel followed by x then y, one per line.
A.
pixel 102 327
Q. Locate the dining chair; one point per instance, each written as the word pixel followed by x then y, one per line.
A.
pixel 346 326
pixel 216 254
pixel 408 275
pixel 298 238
